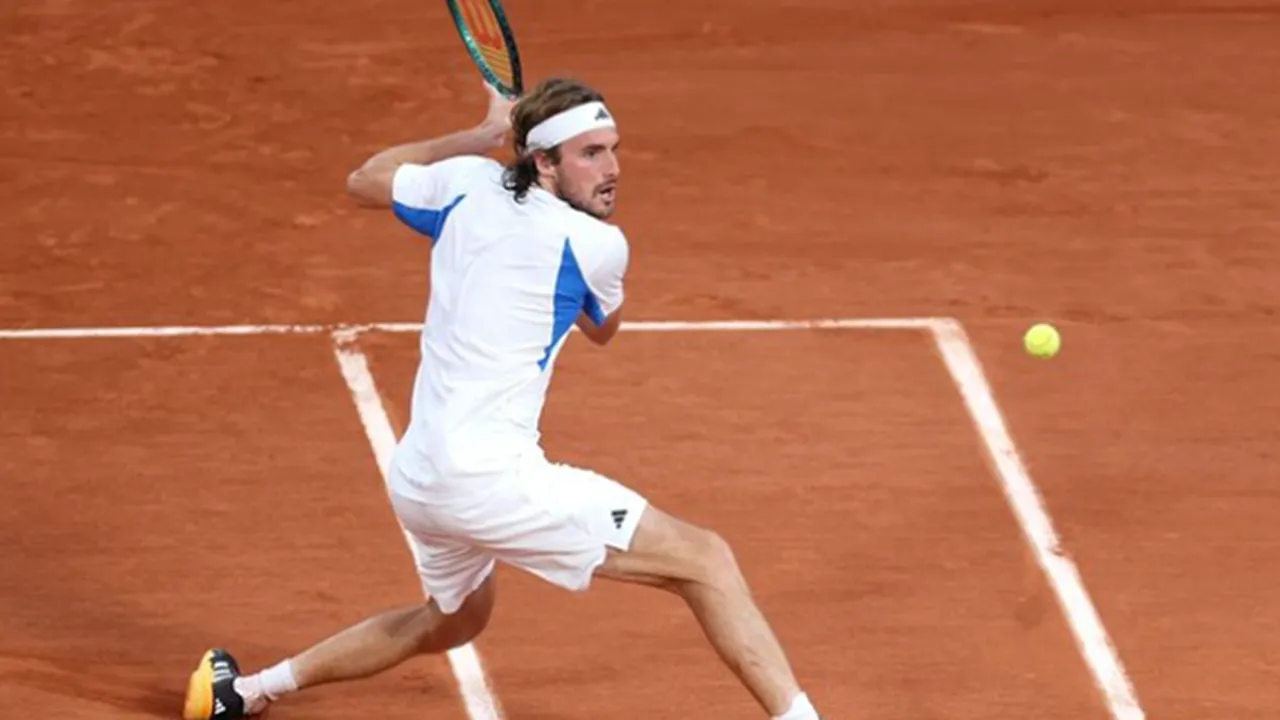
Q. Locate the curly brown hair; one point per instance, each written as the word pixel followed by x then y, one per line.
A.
pixel 549 98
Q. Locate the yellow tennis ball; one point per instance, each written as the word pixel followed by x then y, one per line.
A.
pixel 1042 340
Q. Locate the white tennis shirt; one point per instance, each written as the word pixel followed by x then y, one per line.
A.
pixel 508 281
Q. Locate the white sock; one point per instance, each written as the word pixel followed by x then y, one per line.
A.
pixel 801 709
pixel 267 686
pixel 278 680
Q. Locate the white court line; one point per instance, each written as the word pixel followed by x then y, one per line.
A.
pixel 1091 637
pixel 480 701
pixel 75 333
pixel 82 333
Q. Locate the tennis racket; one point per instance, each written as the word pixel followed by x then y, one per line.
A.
pixel 487 34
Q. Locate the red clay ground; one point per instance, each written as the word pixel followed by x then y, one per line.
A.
pixel 1104 165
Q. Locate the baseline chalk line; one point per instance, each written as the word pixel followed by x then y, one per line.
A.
pixel 351 329
pixel 1091 637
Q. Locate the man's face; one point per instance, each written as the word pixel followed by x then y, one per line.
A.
pixel 587 175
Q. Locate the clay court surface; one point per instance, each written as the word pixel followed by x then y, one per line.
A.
pixel 1108 166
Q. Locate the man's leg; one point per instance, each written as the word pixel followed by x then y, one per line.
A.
pixel 699 565
pixel 367 648
pixel 384 641
pixel 575 524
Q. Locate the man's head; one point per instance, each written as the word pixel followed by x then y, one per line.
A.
pixel 566 143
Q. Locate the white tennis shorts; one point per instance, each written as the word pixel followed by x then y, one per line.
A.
pixel 555 521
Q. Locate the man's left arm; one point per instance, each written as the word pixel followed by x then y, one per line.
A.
pixel 602 315
pixel 603 333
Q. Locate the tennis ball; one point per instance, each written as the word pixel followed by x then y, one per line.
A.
pixel 1042 340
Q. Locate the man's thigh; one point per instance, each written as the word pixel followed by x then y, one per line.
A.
pixel 561 522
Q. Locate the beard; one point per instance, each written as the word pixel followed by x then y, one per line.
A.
pixel 600 213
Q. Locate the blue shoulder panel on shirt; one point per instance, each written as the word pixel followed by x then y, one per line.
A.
pixel 428 221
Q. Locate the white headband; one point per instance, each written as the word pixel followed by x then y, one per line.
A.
pixel 568 124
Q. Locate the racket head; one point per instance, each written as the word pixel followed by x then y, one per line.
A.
pixel 487 34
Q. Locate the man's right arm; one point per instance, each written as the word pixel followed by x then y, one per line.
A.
pixel 371 184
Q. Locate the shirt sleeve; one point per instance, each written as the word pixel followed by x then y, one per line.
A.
pixel 604 270
pixel 423 195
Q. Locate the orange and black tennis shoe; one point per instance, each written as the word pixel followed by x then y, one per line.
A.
pixel 211 692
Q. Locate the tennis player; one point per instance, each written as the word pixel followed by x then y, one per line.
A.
pixel 520 254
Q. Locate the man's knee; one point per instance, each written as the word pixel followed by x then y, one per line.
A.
pixel 669 553
pixel 458 628
pixel 455 630
pixel 712 559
